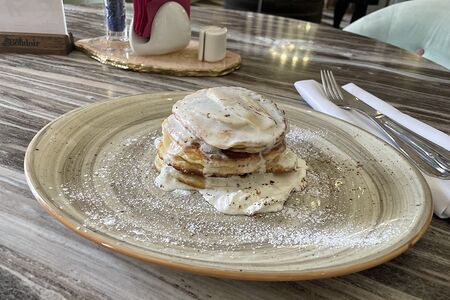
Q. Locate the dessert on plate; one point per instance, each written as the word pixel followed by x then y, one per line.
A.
pixel 229 144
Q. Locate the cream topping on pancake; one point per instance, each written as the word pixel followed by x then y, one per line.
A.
pixel 231 118
pixel 237 195
pixel 178 132
pixel 213 160
pixel 183 136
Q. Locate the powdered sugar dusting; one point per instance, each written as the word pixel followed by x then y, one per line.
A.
pixel 119 196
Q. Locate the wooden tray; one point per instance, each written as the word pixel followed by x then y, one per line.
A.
pixel 181 63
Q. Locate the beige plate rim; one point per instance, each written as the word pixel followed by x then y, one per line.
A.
pixel 135 252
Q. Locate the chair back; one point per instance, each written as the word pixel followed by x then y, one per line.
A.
pixel 411 25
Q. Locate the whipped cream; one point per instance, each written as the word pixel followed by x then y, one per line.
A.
pixel 231 118
pixel 237 195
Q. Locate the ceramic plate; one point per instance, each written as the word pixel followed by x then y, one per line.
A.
pixel 364 203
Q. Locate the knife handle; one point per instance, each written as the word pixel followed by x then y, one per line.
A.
pixel 429 157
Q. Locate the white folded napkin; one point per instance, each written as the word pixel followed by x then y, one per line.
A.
pixel 312 92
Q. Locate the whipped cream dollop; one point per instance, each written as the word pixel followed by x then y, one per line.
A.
pixel 243 195
pixel 231 118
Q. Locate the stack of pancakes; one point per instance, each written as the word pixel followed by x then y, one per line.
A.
pixel 223 132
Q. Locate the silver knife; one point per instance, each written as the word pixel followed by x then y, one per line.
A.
pixel 427 156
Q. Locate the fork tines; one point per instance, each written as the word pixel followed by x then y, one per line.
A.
pixel 330 86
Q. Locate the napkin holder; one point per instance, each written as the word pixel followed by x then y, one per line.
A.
pixel 36 43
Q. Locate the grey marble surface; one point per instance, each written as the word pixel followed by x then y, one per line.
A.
pixel 41 259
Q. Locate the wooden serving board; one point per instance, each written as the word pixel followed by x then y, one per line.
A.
pixel 181 63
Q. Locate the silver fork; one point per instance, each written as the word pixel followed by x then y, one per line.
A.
pixel 432 159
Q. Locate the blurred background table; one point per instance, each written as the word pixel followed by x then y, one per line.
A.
pixel 40 258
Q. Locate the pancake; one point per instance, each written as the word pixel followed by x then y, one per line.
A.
pixel 192 159
pixel 192 180
pixel 199 182
pixel 229 144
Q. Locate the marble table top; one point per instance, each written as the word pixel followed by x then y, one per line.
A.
pixel 40 258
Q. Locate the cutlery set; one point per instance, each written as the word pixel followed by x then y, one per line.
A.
pixel 429 157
